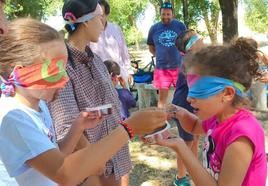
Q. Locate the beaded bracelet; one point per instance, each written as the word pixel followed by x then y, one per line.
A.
pixel 128 129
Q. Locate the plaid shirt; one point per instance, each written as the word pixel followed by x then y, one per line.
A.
pixel 89 86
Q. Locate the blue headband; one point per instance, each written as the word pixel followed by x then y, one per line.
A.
pixel 191 42
pixel 207 86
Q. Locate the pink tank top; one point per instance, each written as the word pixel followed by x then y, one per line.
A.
pixel 221 135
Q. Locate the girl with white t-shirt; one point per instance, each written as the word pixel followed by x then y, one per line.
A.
pixel 35 56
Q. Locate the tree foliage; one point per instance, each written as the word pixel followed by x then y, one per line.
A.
pixel 191 12
pixel 208 11
pixel 125 13
pixel 256 11
pixel 39 9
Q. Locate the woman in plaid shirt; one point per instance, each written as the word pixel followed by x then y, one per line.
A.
pixel 89 86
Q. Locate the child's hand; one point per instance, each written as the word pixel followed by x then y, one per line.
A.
pixel 172 142
pixel 88 120
pixel 122 81
pixel 174 111
pixel 130 79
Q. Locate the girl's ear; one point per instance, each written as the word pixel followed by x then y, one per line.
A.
pixel 228 94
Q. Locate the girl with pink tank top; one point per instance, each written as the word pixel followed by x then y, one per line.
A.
pixel 234 147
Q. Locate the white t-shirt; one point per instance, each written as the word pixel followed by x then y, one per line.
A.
pixel 24 134
pixel 112 46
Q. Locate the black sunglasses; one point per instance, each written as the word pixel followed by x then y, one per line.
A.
pixel 166 5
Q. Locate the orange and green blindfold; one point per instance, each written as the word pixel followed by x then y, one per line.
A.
pixel 49 74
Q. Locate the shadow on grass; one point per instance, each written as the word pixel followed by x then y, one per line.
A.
pixel 153 164
pixel 143 173
pixel 138 147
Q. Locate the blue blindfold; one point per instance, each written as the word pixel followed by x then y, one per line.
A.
pixel 207 86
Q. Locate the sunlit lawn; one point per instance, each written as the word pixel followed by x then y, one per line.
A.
pixel 153 165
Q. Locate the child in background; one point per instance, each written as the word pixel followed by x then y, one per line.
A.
pixel 125 96
pixel 258 86
pixel 234 149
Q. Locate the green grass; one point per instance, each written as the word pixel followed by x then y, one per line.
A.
pixel 153 165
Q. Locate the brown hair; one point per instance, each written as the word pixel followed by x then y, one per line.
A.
pixel 112 67
pixel 20 46
pixel 183 39
pixel 262 58
pixel 236 61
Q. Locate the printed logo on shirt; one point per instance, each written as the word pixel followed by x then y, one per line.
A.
pixel 167 38
pixel 50 133
pixel 51 136
pixel 211 161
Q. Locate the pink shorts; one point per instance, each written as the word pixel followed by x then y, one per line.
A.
pixel 164 78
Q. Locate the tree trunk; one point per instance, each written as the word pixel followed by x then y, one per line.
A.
pixel 212 30
pixel 173 5
pixel 211 23
pixel 213 37
pixel 185 12
pixel 137 44
pixel 160 2
pixel 131 20
pixel 157 4
pixel 229 19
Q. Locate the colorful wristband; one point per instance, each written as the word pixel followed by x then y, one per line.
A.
pixel 128 129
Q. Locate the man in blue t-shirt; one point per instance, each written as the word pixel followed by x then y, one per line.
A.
pixel 161 41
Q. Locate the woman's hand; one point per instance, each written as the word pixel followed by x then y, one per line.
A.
pixel 122 81
pixel 146 121
pixel 130 79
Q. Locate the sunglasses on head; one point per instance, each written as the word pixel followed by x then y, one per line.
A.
pixel 182 41
pixel 166 5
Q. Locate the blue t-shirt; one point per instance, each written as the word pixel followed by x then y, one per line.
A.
pixel 127 101
pixel 25 134
pixel 163 38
